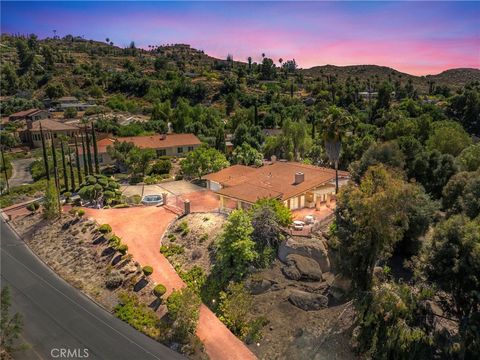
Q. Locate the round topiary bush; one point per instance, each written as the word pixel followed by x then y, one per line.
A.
pixel 159 290
pixel 105 228
pixel 122 248
pixel 114 241
pixel 33 207
pixel 147 270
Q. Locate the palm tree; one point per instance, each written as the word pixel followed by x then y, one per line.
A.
pixel 333 129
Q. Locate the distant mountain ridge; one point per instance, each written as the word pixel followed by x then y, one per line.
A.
pixel 453 77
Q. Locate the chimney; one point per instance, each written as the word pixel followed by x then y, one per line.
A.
pixel 299 178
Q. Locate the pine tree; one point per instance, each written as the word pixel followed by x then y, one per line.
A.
pixel 77 160
pixel 64 165
pixel 45 154
pixel 95 150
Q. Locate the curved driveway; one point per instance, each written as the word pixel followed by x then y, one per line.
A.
pixel 21 172
pixel 57 316
pixel 141 228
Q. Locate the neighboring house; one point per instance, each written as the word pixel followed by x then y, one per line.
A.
pixel 72 102
pixel 29 115
pixel 165 145
pixel 51 129
pixel 297 185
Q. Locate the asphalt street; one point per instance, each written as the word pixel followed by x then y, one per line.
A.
pixel 59 321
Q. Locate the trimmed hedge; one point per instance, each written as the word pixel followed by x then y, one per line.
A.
pixel 105 228
pixel 159 290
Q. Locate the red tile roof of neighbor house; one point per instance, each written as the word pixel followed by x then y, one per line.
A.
pixel 52 125
pixel 152 142
pixel 24 113
pixel 276 180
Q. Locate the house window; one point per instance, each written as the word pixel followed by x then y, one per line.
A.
pixel 180 150
pixel 161 152
pixel 190 148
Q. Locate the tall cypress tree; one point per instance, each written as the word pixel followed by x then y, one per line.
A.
pixel 85 164
pixel 45 154
pixel 72 174
pixel 89 152
pixel 64 165
pixel 55 164
pixel 77 160
pixel 95 150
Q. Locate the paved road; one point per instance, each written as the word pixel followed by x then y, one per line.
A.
pixel 57 316
pixel 21 172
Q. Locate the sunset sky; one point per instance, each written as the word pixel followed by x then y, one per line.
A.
pixel 414 37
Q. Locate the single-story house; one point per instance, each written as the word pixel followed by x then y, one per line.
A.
pixel 297 185
pixel 29 115
pixel 177 145
pixel 51 130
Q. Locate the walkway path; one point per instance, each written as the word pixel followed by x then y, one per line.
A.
pixel 141 229
pixel 21 172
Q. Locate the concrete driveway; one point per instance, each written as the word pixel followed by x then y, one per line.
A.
pixel 176 188
pixel 21 172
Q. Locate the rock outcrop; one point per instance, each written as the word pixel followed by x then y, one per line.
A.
pixel 299 267
pixel 307 301
pixel 314 248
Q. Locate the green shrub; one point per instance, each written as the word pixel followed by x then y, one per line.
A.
pixel 234 307
pixel 194 278
pixel 183 228
pixel 159 290
pixel 138 315
pixel 172 249
pixel 184 309
pixel 147 270
pixel 105 228
pixel 161 167
pixel 121 206
pixel 203 238
pixel 33 207
pixel 113 281
pixel 135 199
pixel 80 212
pixel 67 196
pixel 122 248
pixel 172 237
pixel 114 241
pixel 73 211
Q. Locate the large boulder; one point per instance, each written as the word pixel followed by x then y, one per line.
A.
pixel 258 286
pixel 314 248
pixel 302 268
pixel 307 301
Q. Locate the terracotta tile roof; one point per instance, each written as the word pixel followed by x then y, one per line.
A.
pixel 52 125
pixel 152 142
pixel 233 175
pixel 249 192
pixel 274 180
pixel 24 113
